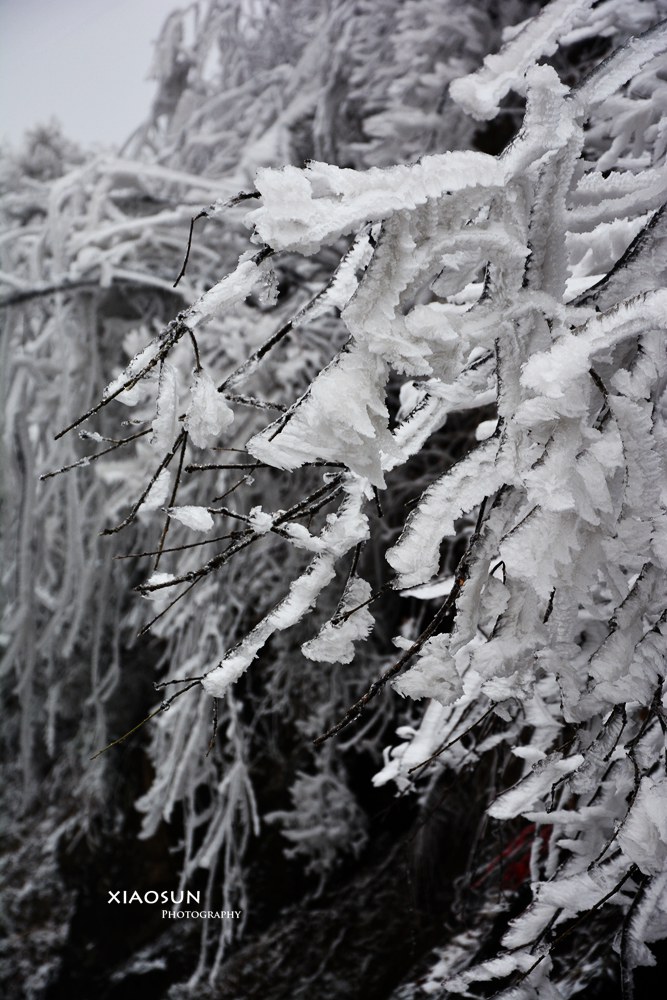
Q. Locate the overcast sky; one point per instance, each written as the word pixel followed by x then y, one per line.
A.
pixel 83 61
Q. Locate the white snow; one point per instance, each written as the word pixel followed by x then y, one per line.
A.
pixel 197 518
pixel 159 491
pixel 208 414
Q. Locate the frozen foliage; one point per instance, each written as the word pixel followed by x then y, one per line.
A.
pixel 197 518
pixel 324 823
pixel 341 533
pixel 335 641
pixel 208 414
pixel 394 292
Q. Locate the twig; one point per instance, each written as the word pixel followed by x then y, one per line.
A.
pixel 195 348
pixel 193 577
pixel 200 215
pixel 447 608
pixel 251 362
pixel 161 708
pixel 82 462
pixel 173 333
pixel 309 505
pixel 212 466
pixel 211 742
pixel 172 500
pixel 259 404
pixel 147 627
pixel 163 465
pixel 177 548
pixel 232 489
pixel 338 619
pixel 160 685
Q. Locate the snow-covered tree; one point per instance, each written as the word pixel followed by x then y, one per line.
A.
pixel 399 470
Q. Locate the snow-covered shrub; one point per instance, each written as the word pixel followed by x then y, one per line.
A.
pixel 378 305
pixel 324 824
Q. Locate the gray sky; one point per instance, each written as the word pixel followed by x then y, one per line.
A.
pixel 84 62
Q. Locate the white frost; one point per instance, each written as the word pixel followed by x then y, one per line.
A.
pixel 138 363
pixel 643 836
pixel 155 580
pixel 208 413
pixel 342 418
pixel 343 531
pixel 197 518
pixel 233 288
pixel 165 423
pixel 158 493
pixel 434 674
pixel 335 641
pixel 481 92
